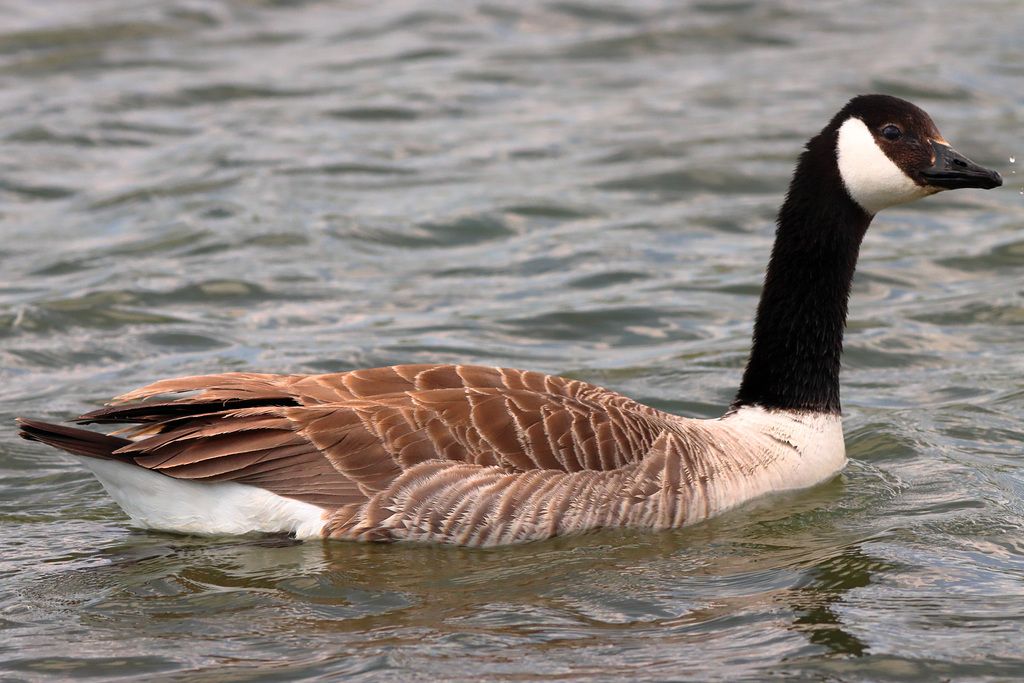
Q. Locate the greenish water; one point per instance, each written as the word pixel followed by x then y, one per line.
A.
pixel 585 189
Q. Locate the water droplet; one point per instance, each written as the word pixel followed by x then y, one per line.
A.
pixel 1013 160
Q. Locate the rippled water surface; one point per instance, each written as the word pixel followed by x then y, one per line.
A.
pixel 580 188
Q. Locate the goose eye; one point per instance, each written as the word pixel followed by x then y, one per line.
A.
pixel 891 133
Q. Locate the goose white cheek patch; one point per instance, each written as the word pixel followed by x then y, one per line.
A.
pixel 871 178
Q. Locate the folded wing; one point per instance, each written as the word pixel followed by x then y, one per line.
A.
pixel 336 440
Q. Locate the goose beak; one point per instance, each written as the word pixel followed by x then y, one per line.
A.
pixel 952 171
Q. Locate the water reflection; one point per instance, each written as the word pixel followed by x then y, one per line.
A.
pixel 820 605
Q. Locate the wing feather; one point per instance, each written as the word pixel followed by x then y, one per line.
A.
pixel 336 440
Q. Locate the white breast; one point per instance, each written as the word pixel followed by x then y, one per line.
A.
pixel 780 450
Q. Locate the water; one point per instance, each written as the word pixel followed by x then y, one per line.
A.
pixel 579 188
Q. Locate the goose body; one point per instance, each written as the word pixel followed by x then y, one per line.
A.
pixel 484 456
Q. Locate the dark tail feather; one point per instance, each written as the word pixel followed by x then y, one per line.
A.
pixel 74 440
pixel 172 410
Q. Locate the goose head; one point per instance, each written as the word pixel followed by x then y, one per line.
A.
pixel 889 151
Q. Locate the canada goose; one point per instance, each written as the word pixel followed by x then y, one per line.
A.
pixel 484 456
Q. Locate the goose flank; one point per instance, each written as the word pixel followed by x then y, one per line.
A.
pixel 484 456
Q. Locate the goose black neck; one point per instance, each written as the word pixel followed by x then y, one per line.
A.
pixel 798 332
